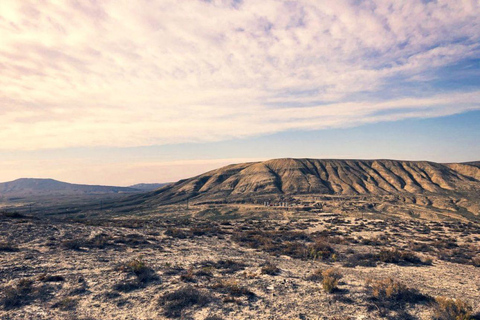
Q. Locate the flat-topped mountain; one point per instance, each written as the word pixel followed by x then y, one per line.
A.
pixel 37 187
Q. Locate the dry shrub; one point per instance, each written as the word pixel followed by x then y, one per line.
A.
pixel 140 269
pixel 451 309
pixel 23 293
pixel 7 247
pixel 15 296
pixel 232 288
pixel 476 261
pixel 330 279
pixel 317 275
pixel 319 250
pixel 390 293
pixel 175 302
pixel 143 275
pixel 270 269
pixel 188 275
pixel 398 257
pixel 65 304
pixel 73 244
pixel 50 278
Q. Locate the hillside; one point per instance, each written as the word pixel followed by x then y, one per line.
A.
pixel 39 187
pixel 333 177
pixel 382 186
pixel 148 186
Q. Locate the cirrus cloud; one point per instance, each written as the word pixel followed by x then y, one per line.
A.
pixel 123 73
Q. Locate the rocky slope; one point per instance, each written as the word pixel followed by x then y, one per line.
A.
pixel 332 177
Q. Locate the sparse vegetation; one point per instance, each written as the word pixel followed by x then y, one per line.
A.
pixel 452 309
pixel 174 303
pixel 330 279
pixel 140 269
pixel 65 304
pixel 224 275
pixel 391 294
pixel 7 247
pixel 270 269
pixel 233 288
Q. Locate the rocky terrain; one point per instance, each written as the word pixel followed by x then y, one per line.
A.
pixel 281 239
pixel 206 265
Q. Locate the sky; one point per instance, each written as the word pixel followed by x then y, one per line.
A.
pixel 123 92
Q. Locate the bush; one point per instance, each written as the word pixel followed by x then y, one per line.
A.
pixel 270 269
pixel 398 257
pixel 175 302
pixel 74 244
pixel 139 268
pixel 23 293
pixel 49 278
pixel 451 309
pixel 187 275
pixel 391 293
pixel 65 304
pixel 319 250
pixel 14 296
pixel 226 266
pixel 317 275
pixel 330 279
pixel 12 215
pixel 233 288
pixel 7 247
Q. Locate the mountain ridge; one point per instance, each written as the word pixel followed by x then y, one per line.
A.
pixel 41 186
pixel 418 181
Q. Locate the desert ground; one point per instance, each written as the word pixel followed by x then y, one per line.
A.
pixel 199 266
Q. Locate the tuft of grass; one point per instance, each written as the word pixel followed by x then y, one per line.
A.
pixel 331 277
pixel 140 269
pixel 451 309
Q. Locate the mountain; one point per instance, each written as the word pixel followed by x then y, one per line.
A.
pixel 27 187
pixel 333 177
pixel 148 186
pixel 450 187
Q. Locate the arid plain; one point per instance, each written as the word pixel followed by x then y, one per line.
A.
pixel 282 239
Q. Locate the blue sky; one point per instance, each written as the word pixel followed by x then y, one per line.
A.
pixel 153 91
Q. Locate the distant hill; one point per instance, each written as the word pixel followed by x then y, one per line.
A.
pixel 26 187
pixel 148 186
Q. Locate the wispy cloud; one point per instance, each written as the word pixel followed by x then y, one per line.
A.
pixel 123 73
